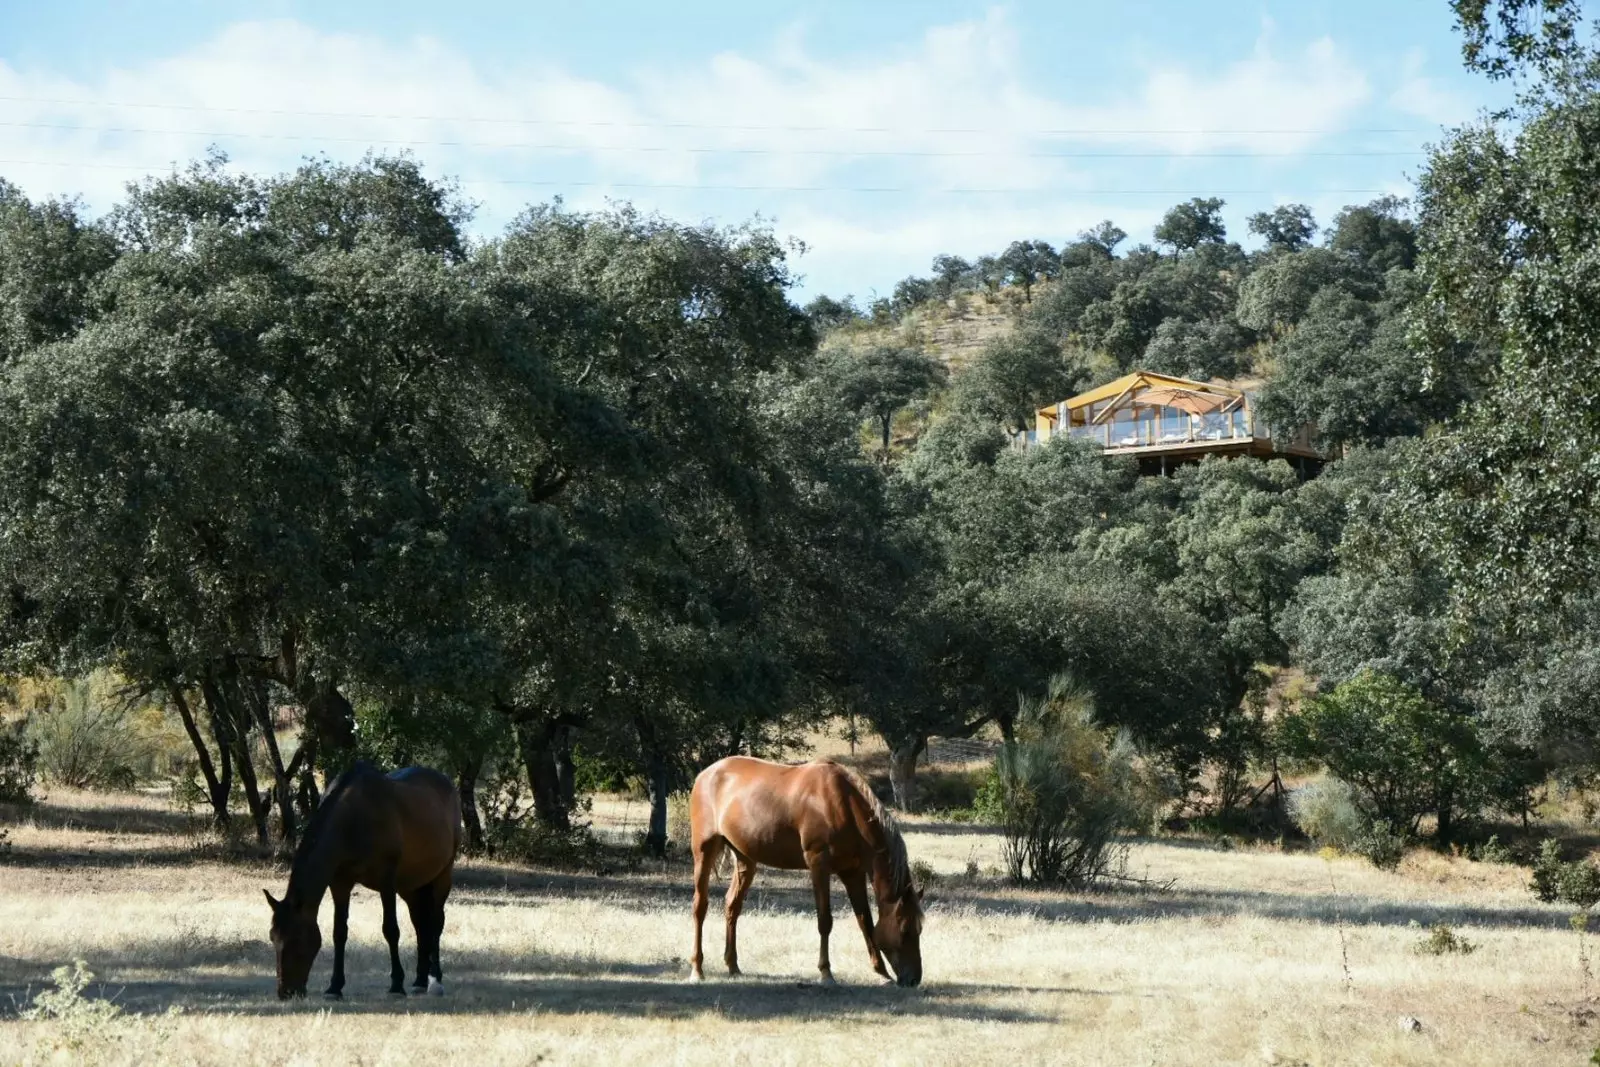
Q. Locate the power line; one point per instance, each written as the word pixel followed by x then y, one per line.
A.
pixel 1087 131
pixel 706 150
pixel 719 187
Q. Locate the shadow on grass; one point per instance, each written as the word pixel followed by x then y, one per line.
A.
pixel 790 893
pixel 494 983
pixel 110 817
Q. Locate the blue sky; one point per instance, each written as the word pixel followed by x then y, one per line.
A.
pixel 878 134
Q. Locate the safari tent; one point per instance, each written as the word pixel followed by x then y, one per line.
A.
pixel 1165 421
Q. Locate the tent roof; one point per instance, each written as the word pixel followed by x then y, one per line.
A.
pixel 1139 381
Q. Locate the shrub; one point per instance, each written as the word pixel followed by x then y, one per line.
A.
pixel 1382 844
pixel 1066 791
pixel 1402 754
pixel 88 736
pixel 19 767
pixel 1575 883
pixel 1492 851
pixel 1440 940
pixel 1325 811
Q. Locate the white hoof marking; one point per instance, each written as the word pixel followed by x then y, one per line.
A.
pixel 435 987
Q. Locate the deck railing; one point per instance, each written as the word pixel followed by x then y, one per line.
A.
pixel 1167 430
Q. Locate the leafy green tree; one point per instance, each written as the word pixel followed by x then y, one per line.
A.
pixel 1286 228
pixel 1508 222
pixel 1191 224
pixel 1104 237
pixel 826 313
pixel 950 275
pixel 910 292
pixel 1025 263
pixel 1377 235
pixel 1014 376
pixel 1279 292
pixel 1502 38
pixel 879 382
pixel 49 261
pixel 1404 755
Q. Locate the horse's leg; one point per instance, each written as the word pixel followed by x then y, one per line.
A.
pixel 818 864
pixel 441 890
pixel 391 934
pixel 744 872
pixel 706 855
pixel 855 884
pixel 341 932
pixel 420 905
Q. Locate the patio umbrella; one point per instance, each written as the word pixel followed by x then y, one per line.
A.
pixel 1194 403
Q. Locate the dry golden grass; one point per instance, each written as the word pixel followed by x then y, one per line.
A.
pixel 1240 962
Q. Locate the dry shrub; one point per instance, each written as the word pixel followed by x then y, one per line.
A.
pixel 1067 793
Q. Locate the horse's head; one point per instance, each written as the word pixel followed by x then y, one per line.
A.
pixel 297 941
pixel 898 934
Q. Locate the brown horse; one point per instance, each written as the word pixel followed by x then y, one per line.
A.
pixel 395 833
pixel 818 816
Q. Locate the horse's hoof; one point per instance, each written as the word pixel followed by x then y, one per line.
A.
pixel 397 992
pixel 333 994
pixel 695 978
pixel 435 987
pixel 826 980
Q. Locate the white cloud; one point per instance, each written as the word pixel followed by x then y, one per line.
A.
pixel 1425 97
pixel 948 109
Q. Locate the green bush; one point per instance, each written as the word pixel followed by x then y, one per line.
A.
pixel 1575 883
pixel 1402 754
pixel 1325 811
pixel 19 767
pixel 88 735
pixel 1440 940
pixel 1382 844
pixel 1066 793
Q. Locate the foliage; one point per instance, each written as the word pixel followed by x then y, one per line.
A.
pixel 1401 753
pixel 878 382
pixel 1066 793
pixel 19 766
pixel 88 736
pixel 1289 227
pixel 1382 845
pixel 1577 882
pixel 1325 810
pixel 1440 940
pixel 1192 224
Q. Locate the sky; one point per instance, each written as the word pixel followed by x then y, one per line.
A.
pixel 876 135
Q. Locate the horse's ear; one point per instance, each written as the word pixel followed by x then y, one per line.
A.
pixel 273 904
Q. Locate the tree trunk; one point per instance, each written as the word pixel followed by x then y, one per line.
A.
pixel 566 768
pixel 655 840
pixel 236 723
pixel 902 771
pixel 538 759
pixel 467 787
pixel 216 790
pixel 1446 813
pixel 254 691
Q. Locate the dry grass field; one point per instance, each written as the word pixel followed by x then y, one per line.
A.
pixel 1252 956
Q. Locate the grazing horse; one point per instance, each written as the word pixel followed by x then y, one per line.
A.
pixel 396 833
pixel 818 816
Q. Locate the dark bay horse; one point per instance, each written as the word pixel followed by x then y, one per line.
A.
pixel 396 833
pixel 818 816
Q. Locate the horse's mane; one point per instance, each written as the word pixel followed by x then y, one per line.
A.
pixel 894 843
pixel 317 825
